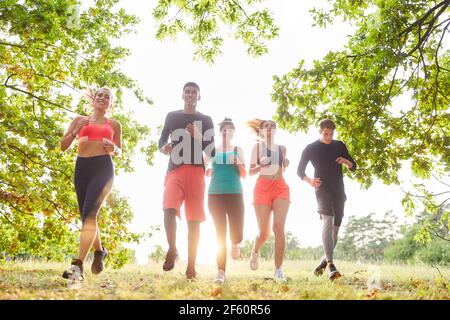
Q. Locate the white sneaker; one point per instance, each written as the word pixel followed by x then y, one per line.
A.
pixel 75 278
pixel 279 276
pixel 254 260
pixel 220 277
pixel 235 251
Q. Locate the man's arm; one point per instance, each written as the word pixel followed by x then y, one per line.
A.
pixel 351 164
pixel 306 157
pixel 208 141
pixel 164 134
pixel 303 163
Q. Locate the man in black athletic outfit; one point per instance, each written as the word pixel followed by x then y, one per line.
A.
pixel 327 157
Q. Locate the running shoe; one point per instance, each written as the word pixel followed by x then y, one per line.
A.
pixel 279 276
pixel 254 260
pixel 169 263
pixel 220 277
pixel 75 271
pixel 191 274
pixel 97 265
pixel 318 271
pixel 333 273
pixel 235 251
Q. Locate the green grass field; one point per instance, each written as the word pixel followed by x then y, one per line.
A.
pixel 36 280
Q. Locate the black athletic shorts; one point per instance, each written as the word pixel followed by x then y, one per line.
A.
pixel 330 202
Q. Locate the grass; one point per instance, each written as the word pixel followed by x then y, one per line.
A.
pixel 36 280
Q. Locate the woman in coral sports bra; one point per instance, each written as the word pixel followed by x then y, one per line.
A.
pixel 99 138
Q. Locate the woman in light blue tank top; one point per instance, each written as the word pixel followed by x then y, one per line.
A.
pixel 225 195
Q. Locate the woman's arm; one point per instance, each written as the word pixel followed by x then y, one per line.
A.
pixel 255 168
pixel 72 132
pixel 114 147
pixel 240 162
pixel 117 138
pixel 206 162
pixel 285 163
pixel 206 159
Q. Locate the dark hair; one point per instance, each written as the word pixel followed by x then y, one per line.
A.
pixel 326 123
pixel 226 121
pixel 191 84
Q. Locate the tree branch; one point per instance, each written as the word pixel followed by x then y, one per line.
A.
pixel 60 214
pixel 421 55
pixel 436 234
pixel 11 44
pixel 424 17
pixel 438 46
pixel 59 81
pixel 436 87
pixel 448 185
pixel 418 196
pixel 244 12
pixel 377 116
pixel 9 77
pixel 430 28
pixel 37 97
pixel 7 218
pixel 36 162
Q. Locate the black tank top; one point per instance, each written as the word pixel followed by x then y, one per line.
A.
pixel 276 157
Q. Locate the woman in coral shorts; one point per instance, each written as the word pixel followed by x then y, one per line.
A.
pixel 271 193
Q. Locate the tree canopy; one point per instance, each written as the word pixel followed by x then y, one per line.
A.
pixel 387 90
pixel 366 237
pixel 50 53
pixel 205 22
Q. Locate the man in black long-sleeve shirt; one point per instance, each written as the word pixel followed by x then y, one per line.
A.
pixel 327 157
pixel 191 134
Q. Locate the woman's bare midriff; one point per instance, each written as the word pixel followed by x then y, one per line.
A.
pixel 88 149
pixel 277 175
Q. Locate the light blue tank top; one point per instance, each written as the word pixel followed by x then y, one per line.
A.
pixel 225 177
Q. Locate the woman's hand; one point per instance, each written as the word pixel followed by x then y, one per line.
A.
pixel 109 146
pixel 72 132
pixel 264 161
pixel 208 172
pixel 80 124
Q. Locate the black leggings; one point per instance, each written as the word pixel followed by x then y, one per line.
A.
pixel 93 180
pixel 222 206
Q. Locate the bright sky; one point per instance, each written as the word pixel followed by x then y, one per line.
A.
pixel 236 86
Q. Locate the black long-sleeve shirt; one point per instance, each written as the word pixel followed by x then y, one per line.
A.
pixel 183 142
pixel 323 158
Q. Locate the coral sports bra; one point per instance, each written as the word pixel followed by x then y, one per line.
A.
pixel 96 132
